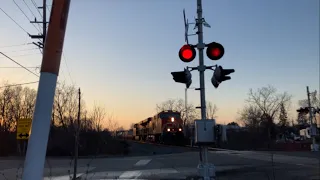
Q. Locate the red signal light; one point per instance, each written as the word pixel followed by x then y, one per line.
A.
pixel 187 53
pixel 215 51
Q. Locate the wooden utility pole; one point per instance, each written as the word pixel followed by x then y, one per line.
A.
pixel 44 26
pixel 50 66
pixel 76 146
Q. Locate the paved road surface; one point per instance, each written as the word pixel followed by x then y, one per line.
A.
pixel 156 162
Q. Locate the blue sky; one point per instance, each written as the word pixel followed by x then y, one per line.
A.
pixel 121 53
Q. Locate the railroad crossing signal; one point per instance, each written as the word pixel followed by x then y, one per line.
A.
pixel 220 75
pixel 187 53
pixel 183 77
pixel 24 128
pixel 215 51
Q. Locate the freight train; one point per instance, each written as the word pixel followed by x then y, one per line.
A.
pixel 165 127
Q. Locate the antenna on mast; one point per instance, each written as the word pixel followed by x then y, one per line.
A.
pixel 186 28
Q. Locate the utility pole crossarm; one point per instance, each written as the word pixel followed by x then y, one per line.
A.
pixel 43 22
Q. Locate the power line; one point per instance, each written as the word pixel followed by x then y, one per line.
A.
pixel 14 21
pixel 19 64
pixel 31 12
pixel 11 85
pixel 36 6
pixel 13 67
pixel 24 44
pixel 21 50
pixel 24 14
pixel 65 61
pixel 25 55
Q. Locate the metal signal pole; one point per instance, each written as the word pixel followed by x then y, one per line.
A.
pixel 201 68
pixel 310 119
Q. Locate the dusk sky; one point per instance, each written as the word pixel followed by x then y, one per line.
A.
pixel 120 53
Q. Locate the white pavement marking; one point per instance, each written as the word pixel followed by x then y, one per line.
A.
pixel 142 162
pixel 130 174
pixel 66 177
pixel 135 174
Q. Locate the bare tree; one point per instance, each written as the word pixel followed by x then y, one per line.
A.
pixel 29 100
pixel 6 108
pixel 267 100
pixel 66 105
pixel 211 110
pixel 112 124
pixel 283 116
pixel 250 116
pixel 97 116
pixel 166 105
pixel 179 105
pixel 131 126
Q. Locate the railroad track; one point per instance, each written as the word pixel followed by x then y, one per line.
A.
pixel 185 146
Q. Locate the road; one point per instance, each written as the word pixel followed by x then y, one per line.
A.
pixel 157 162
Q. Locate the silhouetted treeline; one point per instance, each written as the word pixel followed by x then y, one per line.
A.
pixel 17 102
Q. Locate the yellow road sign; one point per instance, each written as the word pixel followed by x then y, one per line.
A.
pixel 24 128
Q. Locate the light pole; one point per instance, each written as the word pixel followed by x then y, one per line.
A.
pixel 186 100
pixel 186 108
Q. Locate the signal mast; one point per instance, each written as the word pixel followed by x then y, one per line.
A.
pixel 204 134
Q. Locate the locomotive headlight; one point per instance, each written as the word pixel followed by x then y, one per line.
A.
pixel 168 129
pixel 172 119
pixel 180 129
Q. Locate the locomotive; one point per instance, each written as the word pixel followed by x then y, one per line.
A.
pixel 165 127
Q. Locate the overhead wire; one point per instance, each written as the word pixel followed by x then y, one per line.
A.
pixel 24 55
pixel 13 67
pixel 19 64
pixel 11 85
pixel 24 44
pixel 29 8
pixel 25 14
pixel 36 6
pixel 69 74
pixel 32 13
pixel 14 21
pixel 20 50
